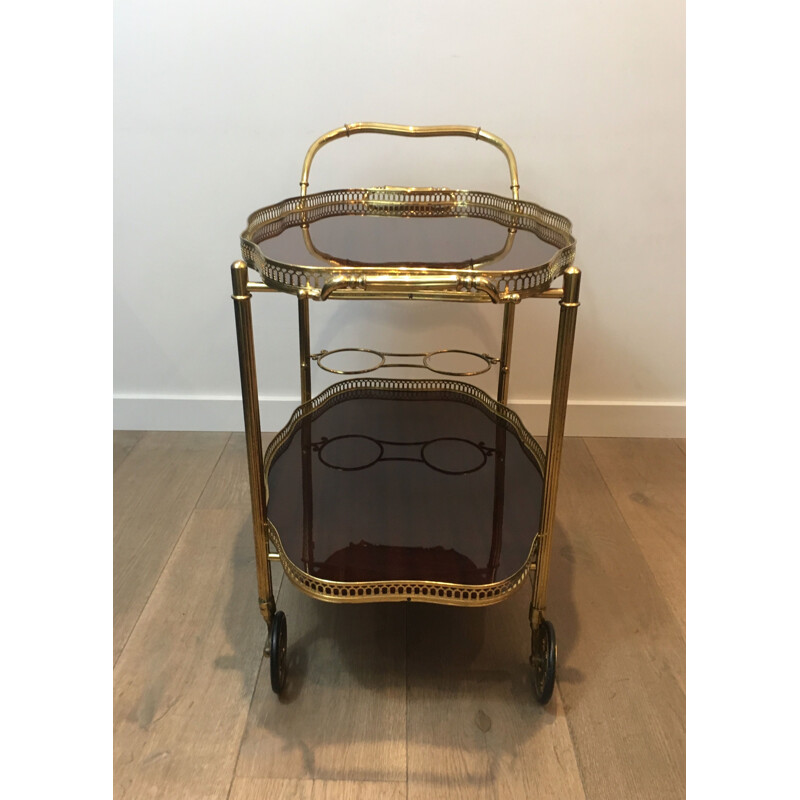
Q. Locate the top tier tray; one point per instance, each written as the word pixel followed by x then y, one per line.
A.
pixel 415 243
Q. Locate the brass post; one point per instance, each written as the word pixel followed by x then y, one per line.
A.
pixel 499 499
pixel 555 438
pixel 305 396
pixel 308 497
pixel 252 429
pixel 505 352
pixel 305 348
pixel 500 439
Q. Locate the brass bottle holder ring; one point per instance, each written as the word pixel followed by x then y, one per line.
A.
pixel 426 361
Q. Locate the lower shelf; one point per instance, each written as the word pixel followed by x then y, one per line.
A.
pixel 405 489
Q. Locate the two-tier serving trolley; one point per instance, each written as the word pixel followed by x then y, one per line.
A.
pixel 387 489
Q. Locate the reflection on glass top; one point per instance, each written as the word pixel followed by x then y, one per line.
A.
pixel 351 240
pixel 393 488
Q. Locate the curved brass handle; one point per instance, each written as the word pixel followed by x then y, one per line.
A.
pixel 411 130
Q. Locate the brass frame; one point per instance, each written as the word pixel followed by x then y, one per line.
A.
pixel 466 284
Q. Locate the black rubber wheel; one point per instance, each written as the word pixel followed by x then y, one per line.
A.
pixel 543 659
pixel 277 652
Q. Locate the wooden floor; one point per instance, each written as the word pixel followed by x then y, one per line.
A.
pixel 395 700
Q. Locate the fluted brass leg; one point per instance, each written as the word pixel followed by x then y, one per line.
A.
pixel 252 430
pixel 305 396
pixel 308 497
pixel 555 439
pixel 505 352
pixel 305 348
pixel 500 440
pixel 498 506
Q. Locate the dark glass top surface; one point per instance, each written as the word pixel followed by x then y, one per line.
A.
pixel 352 240
pixel 394 488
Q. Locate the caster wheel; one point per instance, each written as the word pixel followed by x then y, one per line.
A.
pixel 543 659
pixel 277 652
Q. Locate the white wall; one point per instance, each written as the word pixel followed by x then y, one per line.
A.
pixel 216 104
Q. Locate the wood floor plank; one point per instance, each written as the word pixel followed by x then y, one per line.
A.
pixel 271 789
pixel 184 682
pixel 342 714
pixel 359 790
pixel 124 442
pixel 621 650
pixel 474 727
pixel 155 490
pixel 231 486
pixel 647 478
pixel 293 789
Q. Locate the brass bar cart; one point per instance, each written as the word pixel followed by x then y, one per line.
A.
pixel 425 489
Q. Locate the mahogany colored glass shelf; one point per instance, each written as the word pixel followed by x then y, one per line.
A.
pixel 426 483
pixel 398 240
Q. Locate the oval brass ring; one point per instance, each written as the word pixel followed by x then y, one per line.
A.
pixel 429 356
pixel 321 358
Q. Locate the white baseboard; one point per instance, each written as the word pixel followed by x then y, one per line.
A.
pixel 609 418
pixel 196 413
pixel 221 413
